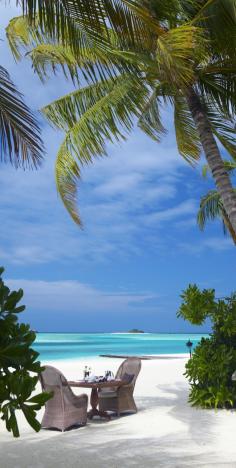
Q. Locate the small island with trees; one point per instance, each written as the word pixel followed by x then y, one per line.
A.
pixel 135 330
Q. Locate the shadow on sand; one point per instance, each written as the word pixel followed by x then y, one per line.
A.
pixel 110 445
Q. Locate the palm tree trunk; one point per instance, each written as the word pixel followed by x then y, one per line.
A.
pixel 213 157
pixel 229 226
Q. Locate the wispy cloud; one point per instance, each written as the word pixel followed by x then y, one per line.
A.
pixel 179 211
pixel 75 296
pixel 218 244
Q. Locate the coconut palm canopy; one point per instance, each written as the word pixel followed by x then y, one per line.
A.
pixel 135 57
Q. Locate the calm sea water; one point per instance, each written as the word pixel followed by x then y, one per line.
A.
pixel 54 346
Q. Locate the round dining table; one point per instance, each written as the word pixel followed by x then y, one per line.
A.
pixel 95 387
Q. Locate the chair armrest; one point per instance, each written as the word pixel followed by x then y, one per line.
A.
pixel 124 388
pixel 80 400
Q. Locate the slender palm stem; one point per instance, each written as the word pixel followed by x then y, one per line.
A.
pixel 229 226
pixel 212 153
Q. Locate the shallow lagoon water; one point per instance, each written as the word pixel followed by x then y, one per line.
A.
pixel 55 346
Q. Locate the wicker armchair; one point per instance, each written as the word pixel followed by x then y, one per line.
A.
pixel 121 399
pixel 64 409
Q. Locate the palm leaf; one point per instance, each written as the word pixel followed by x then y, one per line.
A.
pixel 187 137
pixel 95 114
pixel 217 85
pixel 20 141
pixel 50 57
pixel 150 15
pixel 150 120
pixel 93 61
pixel 92 65
pixel 176 53
pixel 211 208
pixel 67 175
pixel 93 117
pixel 224 130
pixel 65 112
pixel 218 18
pixel 59 17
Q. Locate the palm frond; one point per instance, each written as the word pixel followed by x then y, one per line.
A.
pixel 59 17
pixel 187 137
pixel 224 129
pixel 176 53
pixel 151 14
pixel 210 208
pixel 150 120
pixel 93 117
pixel 20 141
pixel 93 61
pixel 161 15
pixel 109 118
pixel 92 65
pixel 217 85
pixel 48 58
pixel 65 112
pixel 218 18
pixel 67 175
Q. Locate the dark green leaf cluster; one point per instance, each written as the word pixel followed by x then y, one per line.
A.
pixel 18 361
pixel 213 362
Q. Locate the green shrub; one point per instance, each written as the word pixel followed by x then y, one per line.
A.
pixel 213 361
pixel 19 369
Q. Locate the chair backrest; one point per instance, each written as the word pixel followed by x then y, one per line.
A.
pixel 52 380
pixel 51 377
pixel 129 368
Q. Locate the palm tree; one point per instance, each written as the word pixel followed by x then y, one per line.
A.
pixel 180 52
pixel 211 206
pixel 20 142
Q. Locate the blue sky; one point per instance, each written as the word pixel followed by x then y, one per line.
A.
pixel 140 246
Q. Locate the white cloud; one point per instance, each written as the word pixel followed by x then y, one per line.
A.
pixel 178 211
pixel 119 185
pixel 219 244
pixel 62 296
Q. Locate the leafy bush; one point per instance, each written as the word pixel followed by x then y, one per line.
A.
pixel 213 362
pixel 17 363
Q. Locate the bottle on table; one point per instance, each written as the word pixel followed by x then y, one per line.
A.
pixel 86 373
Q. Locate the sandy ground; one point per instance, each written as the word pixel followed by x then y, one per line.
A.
pixel 166 431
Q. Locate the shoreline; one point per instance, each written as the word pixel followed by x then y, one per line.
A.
pixel 146 357
pixel 120 333
pixel 115 356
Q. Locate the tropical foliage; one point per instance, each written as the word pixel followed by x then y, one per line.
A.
pixel 136 57
pixel 211 206
pixel 213 361
pixel 20 142
pixel 19 368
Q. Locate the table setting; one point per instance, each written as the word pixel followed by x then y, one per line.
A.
pixel 96 382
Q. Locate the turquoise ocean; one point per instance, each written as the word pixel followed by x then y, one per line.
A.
pixel 55 346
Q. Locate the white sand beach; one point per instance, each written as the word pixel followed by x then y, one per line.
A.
pixel 166 431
